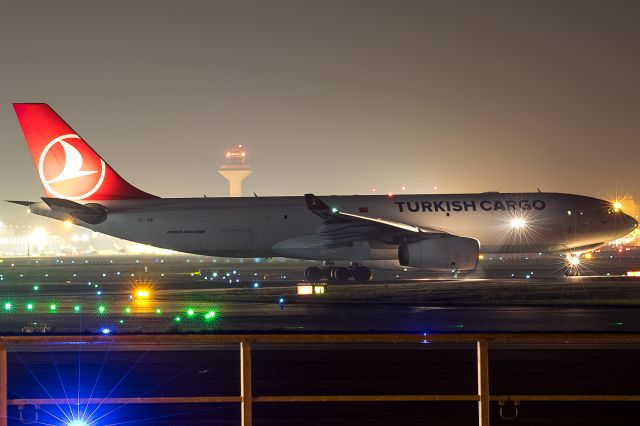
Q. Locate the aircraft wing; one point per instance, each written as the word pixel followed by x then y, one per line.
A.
pixel 346 227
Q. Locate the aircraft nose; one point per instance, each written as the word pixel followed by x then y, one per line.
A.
pixel 630 223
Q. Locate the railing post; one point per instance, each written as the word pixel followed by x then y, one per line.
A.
pixel 483 382
pixel 3 387
pixel 245 382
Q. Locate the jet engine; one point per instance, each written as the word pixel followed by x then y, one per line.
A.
pixel 441 254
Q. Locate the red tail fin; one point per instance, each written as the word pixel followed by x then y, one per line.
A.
pixel 68 167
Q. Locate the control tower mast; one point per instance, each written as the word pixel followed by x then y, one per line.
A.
pixel 235 170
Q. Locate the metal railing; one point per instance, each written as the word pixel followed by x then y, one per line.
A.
pixel 246 398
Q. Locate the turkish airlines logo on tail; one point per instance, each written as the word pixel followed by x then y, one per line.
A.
pixel 69 169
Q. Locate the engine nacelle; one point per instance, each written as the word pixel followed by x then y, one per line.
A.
pixel 441 254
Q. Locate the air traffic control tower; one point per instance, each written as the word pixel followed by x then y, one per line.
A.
pixel 235 170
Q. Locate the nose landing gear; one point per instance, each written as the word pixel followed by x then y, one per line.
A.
pixel 572 264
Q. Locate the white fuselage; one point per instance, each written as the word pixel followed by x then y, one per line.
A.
pixel 283 226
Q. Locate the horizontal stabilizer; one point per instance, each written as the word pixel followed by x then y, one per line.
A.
pixel 21 203
pixel 92 213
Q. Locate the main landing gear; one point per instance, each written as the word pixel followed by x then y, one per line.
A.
pixel 572 265
pixel 338 274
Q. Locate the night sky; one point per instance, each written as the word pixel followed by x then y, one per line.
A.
pixel 332 97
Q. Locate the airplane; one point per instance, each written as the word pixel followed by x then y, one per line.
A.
pixel 427 231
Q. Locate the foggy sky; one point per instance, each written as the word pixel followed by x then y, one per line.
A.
pixel 332 97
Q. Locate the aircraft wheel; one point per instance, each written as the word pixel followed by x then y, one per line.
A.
pixel 313 273
pixel 340 274
pixel 361 273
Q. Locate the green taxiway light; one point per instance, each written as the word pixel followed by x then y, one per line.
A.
pixel 76 308
pixel 36 287
pixel 127 310
pixel 191 312
pixel 8 306
pixel 30 306
pixel 102 309
pixel 158 311
pixel 210 315
pixel 177 319
pixel 53 307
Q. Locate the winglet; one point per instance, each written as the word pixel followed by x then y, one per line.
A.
pixel 315 203
pixel 319 207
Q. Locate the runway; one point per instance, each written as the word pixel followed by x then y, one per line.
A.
pixel 93 294
pixel 490 301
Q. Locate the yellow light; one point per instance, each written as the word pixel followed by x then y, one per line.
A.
pixel 67 223
pixel 588 255
pixel 574 260
pixel 633 273
pixel 305 289
pixel 617 206
pixel 481 257
pixel 319 289
pixel 142 293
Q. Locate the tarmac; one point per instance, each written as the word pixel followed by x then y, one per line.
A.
pixel 490 300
